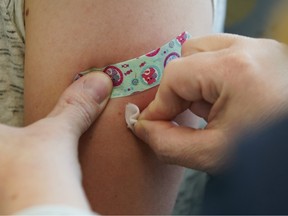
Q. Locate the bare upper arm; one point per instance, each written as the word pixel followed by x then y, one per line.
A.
pixel 64 37
pixel 67 36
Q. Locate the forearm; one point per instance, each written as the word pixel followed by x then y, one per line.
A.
pixel 48 177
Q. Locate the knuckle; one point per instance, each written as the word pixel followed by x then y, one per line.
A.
pixel 172 67
pixel 240 60
pixel 236 64
pixel 190 48
pixel 186 46
pixel 82 107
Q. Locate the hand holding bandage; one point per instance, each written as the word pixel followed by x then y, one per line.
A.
pixel 233 82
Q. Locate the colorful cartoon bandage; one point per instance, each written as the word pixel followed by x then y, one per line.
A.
pixel 144 72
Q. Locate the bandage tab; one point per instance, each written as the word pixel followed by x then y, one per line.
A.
pixel 144 72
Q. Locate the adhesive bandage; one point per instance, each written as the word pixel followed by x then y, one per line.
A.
pixel 142 73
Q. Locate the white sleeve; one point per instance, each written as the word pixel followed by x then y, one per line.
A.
pixel 54 210
pixel 219 9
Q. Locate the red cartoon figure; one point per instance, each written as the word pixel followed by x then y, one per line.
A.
pixel 150 75
pixel 182 38
pixel 115 75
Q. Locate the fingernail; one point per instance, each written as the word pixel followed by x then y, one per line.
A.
pixel 99 86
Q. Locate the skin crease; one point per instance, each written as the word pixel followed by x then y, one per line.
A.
pixel 121 175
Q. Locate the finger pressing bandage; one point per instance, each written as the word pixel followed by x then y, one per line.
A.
pixel 144 72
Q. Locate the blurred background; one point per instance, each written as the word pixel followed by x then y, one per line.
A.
pixel 258 18
pixel 253 18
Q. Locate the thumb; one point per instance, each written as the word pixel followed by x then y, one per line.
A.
pixel 197 149
pixel 82 102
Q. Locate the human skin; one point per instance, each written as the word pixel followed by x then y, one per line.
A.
pixel 121 175
pixel 32 158
pixel 235 83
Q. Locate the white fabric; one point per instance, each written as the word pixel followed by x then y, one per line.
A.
pixel 54 210
pixel 219 7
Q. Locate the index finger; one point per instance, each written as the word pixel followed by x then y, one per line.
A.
pixel 186 80
pixel 209 43
pixel 194 77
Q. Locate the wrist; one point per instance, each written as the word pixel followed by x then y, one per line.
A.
pixel 54 179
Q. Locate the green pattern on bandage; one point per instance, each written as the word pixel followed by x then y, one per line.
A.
pixel 142 73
